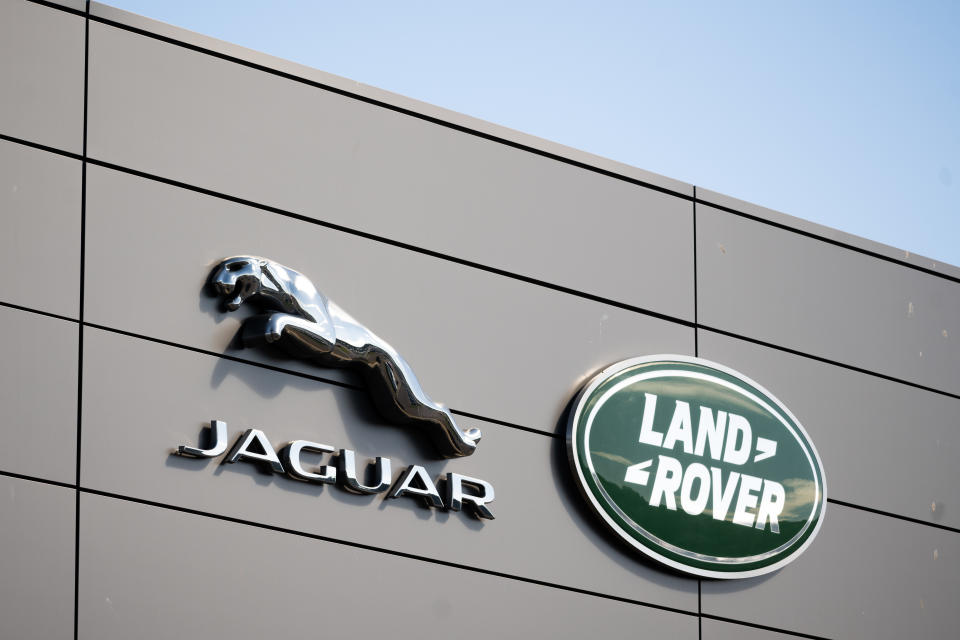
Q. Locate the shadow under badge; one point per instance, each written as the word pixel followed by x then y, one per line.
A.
pixel 306 324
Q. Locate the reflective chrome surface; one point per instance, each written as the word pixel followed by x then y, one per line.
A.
pixel 218 430
pixel 301 320
pixel 241 450
pixel 294 466
pixel 254 446
pixel 428 492
pixel 482 493
pixel 347 466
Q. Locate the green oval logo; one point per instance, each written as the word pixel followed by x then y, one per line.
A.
pixel 696 466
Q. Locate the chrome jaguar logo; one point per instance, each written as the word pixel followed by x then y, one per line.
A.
pixel 305 323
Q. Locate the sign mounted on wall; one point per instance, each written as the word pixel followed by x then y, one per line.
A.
pixel 296 317
pixel 697 466
pixel 253 446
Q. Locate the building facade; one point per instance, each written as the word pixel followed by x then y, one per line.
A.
pixel 506 269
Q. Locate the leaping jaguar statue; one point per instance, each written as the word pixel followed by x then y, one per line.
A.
pixel 304 322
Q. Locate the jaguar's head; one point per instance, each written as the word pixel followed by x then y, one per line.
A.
pixel 236 279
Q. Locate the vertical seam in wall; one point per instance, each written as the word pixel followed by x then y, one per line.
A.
pixel 696 352
pixel 83 226
pixel 699 608
pixel 696 320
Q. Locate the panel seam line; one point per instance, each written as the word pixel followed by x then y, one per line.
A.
pixel 395 243
pixel 30 478
pixel 696 330
pixel 755 625
pixel 368 547
pixel 83 223
pixel 58 7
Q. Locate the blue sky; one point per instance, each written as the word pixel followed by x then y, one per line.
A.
pixel 843 113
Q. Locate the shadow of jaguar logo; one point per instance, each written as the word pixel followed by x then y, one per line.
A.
pixel 306 324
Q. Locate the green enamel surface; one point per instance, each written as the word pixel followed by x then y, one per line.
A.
pixel 704 542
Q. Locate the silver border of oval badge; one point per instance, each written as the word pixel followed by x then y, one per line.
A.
pixel 606 373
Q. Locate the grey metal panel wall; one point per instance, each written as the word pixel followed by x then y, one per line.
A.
pixel 506 272
pixel 307 588
pixel 719 630
pixel 37 525
pixel 827 301
pixel 396 102
pixel 864 577
pixel 40 201
pixel 41 75
pixel 239 131
pixel 38 395
pixel 833 236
